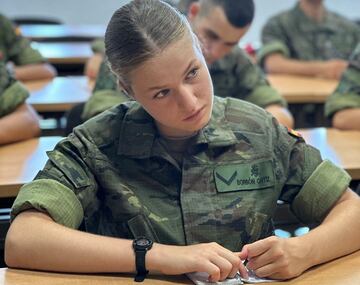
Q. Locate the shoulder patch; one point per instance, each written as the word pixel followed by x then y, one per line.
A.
pixel 294 133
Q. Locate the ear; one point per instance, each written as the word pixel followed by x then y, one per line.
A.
pixel 193 10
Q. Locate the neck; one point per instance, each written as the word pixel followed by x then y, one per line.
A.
pixel 174 134
pixel 313 9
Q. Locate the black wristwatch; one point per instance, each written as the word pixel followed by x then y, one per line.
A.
pixel 141 245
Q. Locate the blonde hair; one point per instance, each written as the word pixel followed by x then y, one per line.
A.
pixel 138 31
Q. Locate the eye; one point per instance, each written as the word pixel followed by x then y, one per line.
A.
pixel 210 35
pixel 161 94
pixel 193 73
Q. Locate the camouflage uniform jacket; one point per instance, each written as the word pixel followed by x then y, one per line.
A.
pixel 12 93
pixel 14 47
pixel 113 177
pixel 297 36
pixel 347 94
pixel 233 76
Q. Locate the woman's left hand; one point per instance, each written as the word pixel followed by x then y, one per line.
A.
pixel 277 258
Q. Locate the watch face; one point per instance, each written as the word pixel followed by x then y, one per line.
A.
pixel 143 242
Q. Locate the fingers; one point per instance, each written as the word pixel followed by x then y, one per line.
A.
pixel 266 258
pixel 259 247
pixel 267 271
pixel 227 262
pixel 225 268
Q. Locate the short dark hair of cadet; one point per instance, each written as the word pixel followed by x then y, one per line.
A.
pixel 239 13
pixel 138 31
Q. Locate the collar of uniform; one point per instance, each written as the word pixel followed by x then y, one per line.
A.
pixel 307 24
pixel 137 133
pixel 217 132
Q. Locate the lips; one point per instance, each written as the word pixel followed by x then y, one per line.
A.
pixel 194 115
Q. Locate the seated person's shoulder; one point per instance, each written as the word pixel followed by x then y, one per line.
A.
pixel 341 22
pixel 242 115
pixel 12 92
pixel 281 18
pixel 105 128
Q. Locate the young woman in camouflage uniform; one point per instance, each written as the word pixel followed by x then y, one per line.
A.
pixel 18 120
pixel 196 174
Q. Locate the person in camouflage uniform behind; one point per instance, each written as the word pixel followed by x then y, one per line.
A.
pixel 343 106
pixel 28 64
pixel 308 40
pixel 219 25
pixel 18 121
pixel 198 174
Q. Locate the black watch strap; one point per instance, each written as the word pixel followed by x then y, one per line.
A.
pixel 140 266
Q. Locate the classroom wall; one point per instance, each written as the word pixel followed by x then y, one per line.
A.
pixel 99 12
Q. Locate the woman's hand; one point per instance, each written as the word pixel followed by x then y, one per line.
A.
pixel 219 262
pixel 277 258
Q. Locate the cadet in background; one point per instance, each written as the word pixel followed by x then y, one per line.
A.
pixel 308 40
pixel 343 106
pixel 18 120
pixel 26 63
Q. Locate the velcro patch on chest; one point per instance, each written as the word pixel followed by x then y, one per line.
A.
pixel 238 177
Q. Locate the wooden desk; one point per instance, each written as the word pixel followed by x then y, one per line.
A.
pixel 63 32
pixel 344 271
pixel 59 94
pixel 65 52
pixel 341 147
pixel 301 89
pixel 20 162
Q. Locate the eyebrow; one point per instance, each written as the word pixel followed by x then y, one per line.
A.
pixel 185 72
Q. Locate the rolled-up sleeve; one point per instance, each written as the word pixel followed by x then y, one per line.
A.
pixel 347 94
pixel 320 192
pixel 66 187
pixel 52 197
pixel 273 41
pixel 312 185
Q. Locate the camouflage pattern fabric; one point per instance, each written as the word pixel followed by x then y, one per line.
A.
pixel 233 76
pixel 14 47
pixel 12 93
pixel 113 177
pixel 236 76
pixel 296 36
pixel 347 94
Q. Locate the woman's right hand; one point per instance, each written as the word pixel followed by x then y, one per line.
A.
pixel 219 262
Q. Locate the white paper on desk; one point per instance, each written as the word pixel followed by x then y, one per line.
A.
pixel 202 278
pixel 254 279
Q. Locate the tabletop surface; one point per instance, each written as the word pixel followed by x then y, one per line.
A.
pixel 302 89
pixel 343 271
pixel 64 52
pixel 20 162
pixel 46 32
pixel 59 94
pixel 341 147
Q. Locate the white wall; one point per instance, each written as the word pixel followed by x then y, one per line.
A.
pixel 99 12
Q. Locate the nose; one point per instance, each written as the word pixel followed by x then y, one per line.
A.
pixel 215 50
pixel 187 99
